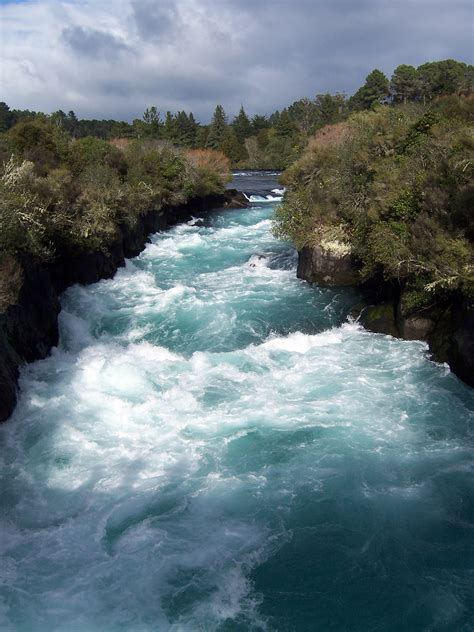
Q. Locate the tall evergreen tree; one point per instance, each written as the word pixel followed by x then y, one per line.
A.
pixel 259 122
pixel 169 127
pixel 217 128
pixel 443 77
pixel 242 126
pixel 285 126
pixel 375 87
pixel 231 147
pixel 59 118
pixel 72 123
pixel 151 118
pixel 331 108
pixel 6 117
pixel 193 128
pixel 181 125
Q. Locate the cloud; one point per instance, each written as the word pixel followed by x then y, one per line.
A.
pixel 92 43
pixel 116 57
pixel 156 21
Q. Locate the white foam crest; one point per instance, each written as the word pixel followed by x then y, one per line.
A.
pixel 261 199
pixel 302 343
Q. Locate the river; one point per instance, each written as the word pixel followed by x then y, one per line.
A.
pixel 213 446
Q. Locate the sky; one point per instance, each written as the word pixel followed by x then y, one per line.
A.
pixel 114 58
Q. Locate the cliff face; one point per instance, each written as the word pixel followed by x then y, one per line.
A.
pixel 29 327
pixel 448 329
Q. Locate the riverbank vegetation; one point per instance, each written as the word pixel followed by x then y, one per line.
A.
pixel 393 186
pixel 58 193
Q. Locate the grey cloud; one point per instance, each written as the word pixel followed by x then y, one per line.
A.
pixel 155 20
pixel 92 43
pixel 191 54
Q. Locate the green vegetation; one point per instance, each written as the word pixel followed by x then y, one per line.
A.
pixel 60 194
pixel 396 184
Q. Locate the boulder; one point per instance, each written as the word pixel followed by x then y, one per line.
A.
pixel 327 267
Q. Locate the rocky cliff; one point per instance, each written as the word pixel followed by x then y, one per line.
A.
pixel 447 328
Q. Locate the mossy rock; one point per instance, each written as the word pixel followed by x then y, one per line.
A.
pixel 380 319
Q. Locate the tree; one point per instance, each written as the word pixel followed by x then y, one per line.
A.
pixel 151 118
pixel 330 108
pixel 304 114
pixel 185 130
pixel 242 126
pixel 217 128
pixel 405 83
pixel 285 126
pixel 40 142
pixel 259 122
pixel 231 147
pixel 442 77
pixel 72 124
pixel 59 119
pixel 375 87
pixel 6 117
pixel 193 129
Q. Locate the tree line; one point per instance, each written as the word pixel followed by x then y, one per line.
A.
pixel 265 141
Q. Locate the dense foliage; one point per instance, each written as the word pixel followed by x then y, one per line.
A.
pixel 60 194
pixel 393 186
pixel 273 141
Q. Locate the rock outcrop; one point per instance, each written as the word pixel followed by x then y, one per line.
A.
pixel 327 267
pixel 448 329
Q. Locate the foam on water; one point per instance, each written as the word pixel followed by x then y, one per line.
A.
pixel 211 447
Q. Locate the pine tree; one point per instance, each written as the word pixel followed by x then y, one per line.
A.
pixel 375 87
pixel 405 83
pixel 285 126
pixel 193 128
pixel 151 118
pixel 169 128
pixel 231 147
pixel 59 119
pixel 217 128
pixel 242 126
pixel 259 122
pixel 72 123
pixel 6 117
pixel 181 128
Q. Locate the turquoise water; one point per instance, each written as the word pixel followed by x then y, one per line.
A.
pixel 213 446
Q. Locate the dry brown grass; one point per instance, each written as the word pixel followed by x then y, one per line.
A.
pixel 209 159
pixel 329 135
pixel 11 278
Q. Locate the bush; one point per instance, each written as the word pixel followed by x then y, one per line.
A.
pixel 399 182
pixel 23 212
pixel 69 198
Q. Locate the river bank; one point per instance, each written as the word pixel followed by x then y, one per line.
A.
pixel 447 326
pixel 29 326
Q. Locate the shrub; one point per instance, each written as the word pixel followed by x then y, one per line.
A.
pixel 399 182
pixel 23 213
